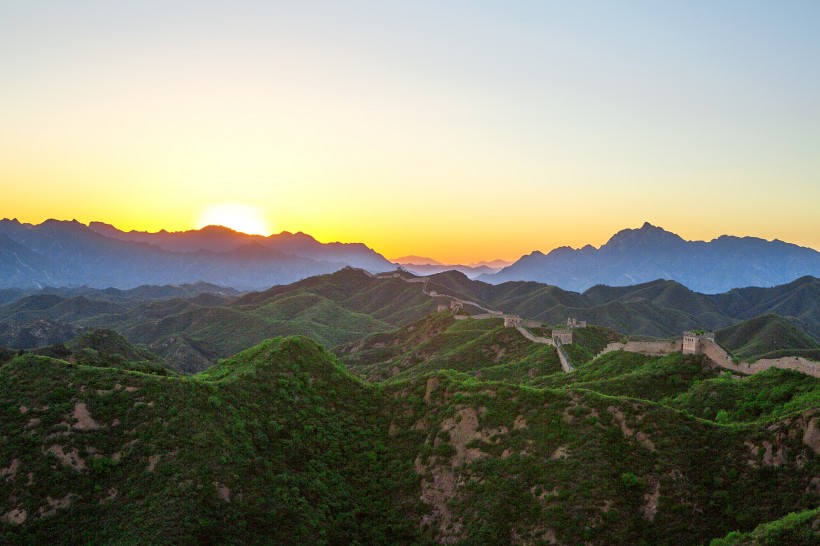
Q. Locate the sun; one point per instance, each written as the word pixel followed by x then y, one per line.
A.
pixel 243 218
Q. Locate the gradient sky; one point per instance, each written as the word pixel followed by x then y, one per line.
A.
pixel 460 130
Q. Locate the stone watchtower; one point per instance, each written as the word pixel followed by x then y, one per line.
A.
pixel 575 323
pixel 512 321
pixel 564 336
pixel 692 341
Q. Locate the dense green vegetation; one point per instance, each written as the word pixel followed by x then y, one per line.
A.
pixel 193 326
pixel 281 444
pixel 276 445
pixel 634 375
pixel 767 336
pixel 658 308
pixel 100 348
pixel 766 395
pixel 483 348
pixel 192 333
pixel 420 429
pixel 796 529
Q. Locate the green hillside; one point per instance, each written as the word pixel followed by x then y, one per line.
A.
pixel 799 300
pixel 192 328
pixel 99 348
pixel 277 445
pixel 483 348
pixel 331 309
pixel 766 395
pixel 281 444
pixel 796 529
pixel 767 336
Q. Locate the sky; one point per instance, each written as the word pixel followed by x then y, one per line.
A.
pixel 458 130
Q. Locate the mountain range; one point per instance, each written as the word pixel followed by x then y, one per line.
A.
pixel 194 326
pixel 634 256
pixel 472 272
pixel 420 265
pixel 68 253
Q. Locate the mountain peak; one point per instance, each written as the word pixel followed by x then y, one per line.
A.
pixel 299 236
pixel 636 255
pixel 72 223
pixel 647 233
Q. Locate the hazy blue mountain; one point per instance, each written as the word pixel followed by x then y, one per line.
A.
pixel 222 239
pixel 421 265
pixel 68 253
pixel 634 256
pixel 429 269
pixel 139 294
pixel 19 264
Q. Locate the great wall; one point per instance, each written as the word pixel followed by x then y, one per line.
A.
pixel 698 343
pixel 703 343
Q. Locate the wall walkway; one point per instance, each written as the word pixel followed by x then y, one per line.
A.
pixel 718 355
pixel 566 363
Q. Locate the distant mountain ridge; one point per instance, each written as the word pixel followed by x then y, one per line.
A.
pixel 431 269
pixel 68 253
pixel 223 239
pixel 634 256
pixel 415 260
pixel 421 265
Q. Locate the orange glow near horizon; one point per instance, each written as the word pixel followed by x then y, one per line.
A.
pixel 399 126
pixel 463 245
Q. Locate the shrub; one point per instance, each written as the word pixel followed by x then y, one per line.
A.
pixel 629 479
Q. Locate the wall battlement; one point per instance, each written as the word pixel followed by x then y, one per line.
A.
pixel 693 341
pixel 652 348
pixel 564 336
pixel 703 343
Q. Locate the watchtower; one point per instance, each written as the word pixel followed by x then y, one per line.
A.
pixel 511 321
pixel 692 341
pixel 564 336
pixel 575 323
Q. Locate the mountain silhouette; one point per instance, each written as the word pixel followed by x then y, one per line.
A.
pixel 634 256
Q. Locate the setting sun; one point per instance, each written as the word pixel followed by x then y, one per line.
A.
pixel 244 218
